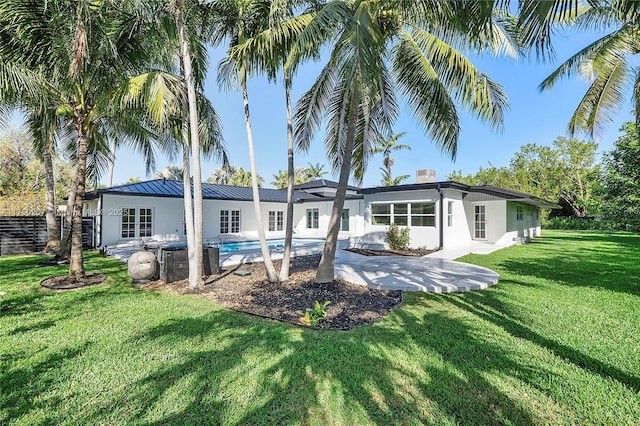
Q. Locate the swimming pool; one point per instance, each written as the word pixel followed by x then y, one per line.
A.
pixel 231 246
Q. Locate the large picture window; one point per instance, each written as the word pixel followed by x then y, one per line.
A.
pixel 381 214
pixel 423 214
pixel 276 220
pixel 313 216
pixel 229 221
pixel 404 214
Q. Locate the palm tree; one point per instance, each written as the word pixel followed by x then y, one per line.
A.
pixel 387 180
pixel 232 175
pixel 387 145
pixel 281 179
pixel 239 21
pixel 315 171
pixel 272 50
pixel 87 86
pixel 380 48
pixel 171 173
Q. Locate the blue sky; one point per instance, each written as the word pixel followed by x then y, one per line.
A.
pixel 533 117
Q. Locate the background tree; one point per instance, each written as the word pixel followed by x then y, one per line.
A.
pixel 387 180
pixel 315 171
pixel 567 172
pixel 232 175
pixel 386 145
pixel 621 180
pixel 496 176
pixel 171 172
pixel 281 179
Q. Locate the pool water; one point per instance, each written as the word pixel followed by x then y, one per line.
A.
pixel 231 246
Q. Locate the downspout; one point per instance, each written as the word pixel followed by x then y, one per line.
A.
pixel 101 209
pixel 441 219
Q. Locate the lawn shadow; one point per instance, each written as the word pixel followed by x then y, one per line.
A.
pixel 279 374
pixel 23 387
pixel 594 260
pixel 489 308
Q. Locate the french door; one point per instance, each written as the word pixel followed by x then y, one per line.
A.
pixel 480 222
pixel 136 223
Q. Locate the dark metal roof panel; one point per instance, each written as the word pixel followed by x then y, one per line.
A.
pixel 174 188
pixel 321 183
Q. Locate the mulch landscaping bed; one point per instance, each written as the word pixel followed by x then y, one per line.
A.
pixel 62 282
pixel 391 252
pixel 351 305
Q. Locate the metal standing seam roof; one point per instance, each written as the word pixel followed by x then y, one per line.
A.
pixel 470 190
pixel 174 188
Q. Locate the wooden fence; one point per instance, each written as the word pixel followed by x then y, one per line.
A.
pixel 28 234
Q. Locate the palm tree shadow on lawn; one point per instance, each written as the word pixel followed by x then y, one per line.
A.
pixel 271 374
pixel 596 261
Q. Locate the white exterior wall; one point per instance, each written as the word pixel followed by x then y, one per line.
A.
pixel 521 230
pixel 166 216
pixel 356 220
pixel 496 219
pixel 460 232
pixel 420 236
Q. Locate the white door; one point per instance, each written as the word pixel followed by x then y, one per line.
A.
pixel 480 222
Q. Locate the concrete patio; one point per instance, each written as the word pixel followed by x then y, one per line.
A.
pixel 436 273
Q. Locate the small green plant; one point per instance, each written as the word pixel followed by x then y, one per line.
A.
pixel 314 315
pixel 398 237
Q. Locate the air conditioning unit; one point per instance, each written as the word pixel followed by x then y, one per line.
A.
pixel 425 176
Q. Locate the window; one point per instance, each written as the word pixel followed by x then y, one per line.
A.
pixel 136 222
pixel 423 214
pixel 276 220
pixel 312 218
pixel 128 223
pixel 519 214
pixel 145 222
pixel 381 214
pixel 226 225
pixel 450 214
pixel 401 214
pixel 404 214
pixel 235 221
pixel 344 223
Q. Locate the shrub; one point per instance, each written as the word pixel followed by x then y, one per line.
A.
pixel 574 223
pixel 314 315
pixel 398 237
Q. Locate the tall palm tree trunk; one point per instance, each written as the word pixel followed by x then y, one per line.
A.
pixel 67 230
pixel 53 232
pixel 288 235
pixel 188 203
pixel 326 272
pixel 195 149
pixel 76 267
pixel 268 264
pixel 112 162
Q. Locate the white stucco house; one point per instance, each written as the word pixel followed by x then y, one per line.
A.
pixel 439 214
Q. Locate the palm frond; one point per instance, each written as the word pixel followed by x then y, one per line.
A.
pixel 310 109
pixel 603 98
pixel 607 46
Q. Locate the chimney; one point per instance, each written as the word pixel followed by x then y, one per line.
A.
pixel 425 176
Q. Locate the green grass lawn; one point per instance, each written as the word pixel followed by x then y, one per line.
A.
pixel 557 341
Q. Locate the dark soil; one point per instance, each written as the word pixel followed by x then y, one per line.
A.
pixel 392 252
pixel 351 305
pixel 63 282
